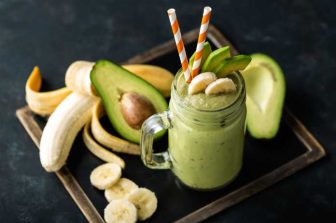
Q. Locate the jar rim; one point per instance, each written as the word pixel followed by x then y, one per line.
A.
pixel 216 116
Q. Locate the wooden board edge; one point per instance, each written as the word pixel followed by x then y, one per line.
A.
pixel 250 189
pixel 161 49
pixel 213 34
pixel 217 37
pixel 304 135
pixel 69 182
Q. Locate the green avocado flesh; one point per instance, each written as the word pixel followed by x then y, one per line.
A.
pixel 232 64
pixel 216 58
pixel 265 89
pixel 111 81
pixel 206 52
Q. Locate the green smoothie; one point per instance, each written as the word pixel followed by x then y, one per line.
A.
pixel 207 136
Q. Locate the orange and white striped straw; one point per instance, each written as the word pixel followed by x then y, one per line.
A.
pixel 179 44
pixel 201 40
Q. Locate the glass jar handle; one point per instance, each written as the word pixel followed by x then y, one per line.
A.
pixel 150 127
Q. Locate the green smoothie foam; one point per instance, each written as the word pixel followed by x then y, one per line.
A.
pixel 207 138
pixel 202 101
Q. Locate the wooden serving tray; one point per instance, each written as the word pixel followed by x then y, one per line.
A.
pixel 265 162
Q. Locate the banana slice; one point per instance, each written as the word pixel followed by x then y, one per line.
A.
pixel 120 211
pixel 200 82
pixel 122 189
pixel 221 85
pixel 104 176
pixel 145 201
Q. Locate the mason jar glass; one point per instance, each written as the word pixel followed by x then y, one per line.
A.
pixel 205 147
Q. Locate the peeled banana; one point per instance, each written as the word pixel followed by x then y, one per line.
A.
pixel 77 77
pixel 76 105
pixel 62 128
pixel 43 103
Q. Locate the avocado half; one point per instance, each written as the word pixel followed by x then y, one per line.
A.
pixel 265 94
pixel 111 81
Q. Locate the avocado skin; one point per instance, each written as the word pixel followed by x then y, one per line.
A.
pixel 111 81
pixel 232 64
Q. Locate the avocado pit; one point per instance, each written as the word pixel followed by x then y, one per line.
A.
pixel 135 109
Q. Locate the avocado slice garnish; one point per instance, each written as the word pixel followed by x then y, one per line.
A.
pixel 265 94
pixel 216 58
pixel 232 64
pixel 111 81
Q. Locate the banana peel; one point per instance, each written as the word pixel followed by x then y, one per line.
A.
pixel 105 138
pixel 43 103
pixel 159 77
pixel 98 150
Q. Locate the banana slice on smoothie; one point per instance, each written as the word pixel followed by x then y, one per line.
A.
pixel 221 85
pixel 122 211
pixel 105 176
pixel 200 82
pixel 122 189
pixel 145 201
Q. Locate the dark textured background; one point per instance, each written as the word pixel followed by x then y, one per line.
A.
pixel 299 34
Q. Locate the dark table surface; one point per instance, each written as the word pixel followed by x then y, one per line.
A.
pixel 299 34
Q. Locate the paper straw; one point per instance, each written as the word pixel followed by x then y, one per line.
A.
pixel 179 44
pixel 200 42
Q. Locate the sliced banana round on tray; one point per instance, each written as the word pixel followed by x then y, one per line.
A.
pixel 122 189
pixel 104 176
pixel 120 211
pixel 145 201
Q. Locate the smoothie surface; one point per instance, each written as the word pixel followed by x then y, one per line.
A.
pixel 202 101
